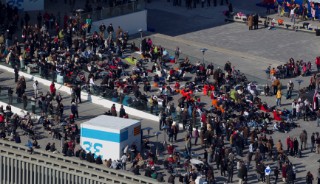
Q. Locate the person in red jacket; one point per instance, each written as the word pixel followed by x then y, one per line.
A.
pixel 53 89
pixel 288 140
pixel 318 63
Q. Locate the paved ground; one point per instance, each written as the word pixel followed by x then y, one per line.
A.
pixel 250 51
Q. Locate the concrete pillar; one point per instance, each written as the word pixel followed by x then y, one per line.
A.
pixel 16 172
pixel 23 172
pixel 72 179
pixel 50 175
pixel 42 175
pixel 35 178
pixel 30 173
pixel 12 170
pixel 38 174
pixel 46 175
pixel 27 172
pixel 76 179
pixel 1 169
pixel 7 170
pixel 62 177
pixel 20 171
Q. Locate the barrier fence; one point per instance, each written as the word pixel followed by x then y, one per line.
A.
pixel 17 165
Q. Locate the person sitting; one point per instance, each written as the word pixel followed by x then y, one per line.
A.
pixel 53 147
pixel 170 149
pixel 99 160
pixel 17 139
pixel 170 159
pixel 35 144
pixel 275 126
pixel 136 170
pixel 48 146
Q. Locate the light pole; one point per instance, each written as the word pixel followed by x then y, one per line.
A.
pixel 203 50
pixel 140 31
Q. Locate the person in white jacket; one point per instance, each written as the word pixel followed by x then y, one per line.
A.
pixel 35 88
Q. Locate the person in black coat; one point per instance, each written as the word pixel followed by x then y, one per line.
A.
pixel 255 21
pixel 171 179
pixel 122 112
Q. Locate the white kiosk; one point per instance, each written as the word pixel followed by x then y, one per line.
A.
pixel 108 136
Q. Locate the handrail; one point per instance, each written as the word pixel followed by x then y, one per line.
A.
pixel 59 162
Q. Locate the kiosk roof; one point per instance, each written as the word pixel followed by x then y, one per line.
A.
pixel 110 122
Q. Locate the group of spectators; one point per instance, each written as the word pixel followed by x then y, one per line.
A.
pixel 236 118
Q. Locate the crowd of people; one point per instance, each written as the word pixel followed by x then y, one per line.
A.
pixel 235 120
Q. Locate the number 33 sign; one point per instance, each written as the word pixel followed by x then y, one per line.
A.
pixel 93 148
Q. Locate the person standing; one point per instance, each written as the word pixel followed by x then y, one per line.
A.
pixel 303 139
pixel 317 62
pixel 267 172
pixel 276 175
pixel 295 147
pixel 24 101
pixel 230 172
pixel 122 112
pixel 195 134
pixel 313 141
pixel 255 21
pixel 113 110
pixel 309 178
pixel 318 118
pixel 16 73
pixel 52 89
pixel 250 22
pixel 110 31
pixel 35 88
pixel 124 159
pixel 102 29
pixel 10 93
pixel 74 110
pixel 293 15
pixel 290 86
pixel 89 23
pixel 33 104
pixel 278 96
pixel 78 94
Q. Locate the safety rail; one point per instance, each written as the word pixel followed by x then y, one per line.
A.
pixel 70 165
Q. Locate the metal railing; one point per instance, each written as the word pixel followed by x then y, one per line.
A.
pixel 109 12
pixel 69 165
